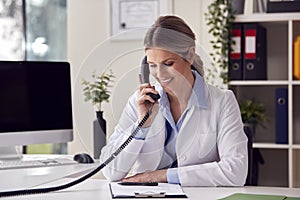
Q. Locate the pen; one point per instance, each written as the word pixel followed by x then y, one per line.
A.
pixel 139 183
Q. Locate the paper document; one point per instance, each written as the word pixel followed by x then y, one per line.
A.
pixel 162 190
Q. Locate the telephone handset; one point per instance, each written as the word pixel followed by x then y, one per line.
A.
pixel 145 72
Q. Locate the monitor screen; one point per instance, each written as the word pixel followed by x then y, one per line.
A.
pixel 35 103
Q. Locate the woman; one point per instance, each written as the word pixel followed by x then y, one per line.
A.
pixel 195 134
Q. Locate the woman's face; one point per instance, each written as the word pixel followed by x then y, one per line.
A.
pixel 169 69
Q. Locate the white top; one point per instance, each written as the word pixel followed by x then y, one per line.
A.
pixel 211 145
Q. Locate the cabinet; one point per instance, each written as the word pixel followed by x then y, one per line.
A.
pixel 282 161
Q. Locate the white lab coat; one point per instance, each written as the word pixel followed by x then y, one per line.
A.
pixel 211 146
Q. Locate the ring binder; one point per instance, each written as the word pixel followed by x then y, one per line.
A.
pixel 236 54
pixel 296 57
pixel 255 62
pixel 281 111
pixel 247 59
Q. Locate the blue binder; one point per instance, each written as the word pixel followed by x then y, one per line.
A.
pixel 281 112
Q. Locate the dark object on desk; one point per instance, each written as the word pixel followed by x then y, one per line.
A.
pixel 139 183
pixel 283 6
pixel 83 158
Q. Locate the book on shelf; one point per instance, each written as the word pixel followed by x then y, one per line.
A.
pixel 296 58
pixel 281 112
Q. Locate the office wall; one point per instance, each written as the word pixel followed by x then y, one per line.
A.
pixel 90 48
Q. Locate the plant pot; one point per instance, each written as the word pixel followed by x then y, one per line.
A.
pixel 99 125
pixel 249 128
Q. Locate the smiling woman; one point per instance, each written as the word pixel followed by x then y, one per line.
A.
pixel 194 135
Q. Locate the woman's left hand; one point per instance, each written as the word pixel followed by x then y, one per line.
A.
pixel 149 176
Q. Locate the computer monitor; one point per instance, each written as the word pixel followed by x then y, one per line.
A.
pixel 35 104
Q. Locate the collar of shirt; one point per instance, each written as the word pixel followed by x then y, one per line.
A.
pixel 197 98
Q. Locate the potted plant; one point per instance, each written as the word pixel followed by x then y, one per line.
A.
pixel 253 114
pixel 97 91
pixel 220 17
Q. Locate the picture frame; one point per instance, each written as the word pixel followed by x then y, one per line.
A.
pixel 131 18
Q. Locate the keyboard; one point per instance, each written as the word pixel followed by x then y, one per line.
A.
pixel 16 164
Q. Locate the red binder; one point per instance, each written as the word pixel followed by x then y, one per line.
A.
pixel 255 52
pixel 236 54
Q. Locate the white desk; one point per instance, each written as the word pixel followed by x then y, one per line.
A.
pixel 99 189
pixel 32 177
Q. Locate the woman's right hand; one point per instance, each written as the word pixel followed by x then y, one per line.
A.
pixel 145 102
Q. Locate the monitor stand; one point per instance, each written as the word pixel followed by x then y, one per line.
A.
pixel 11 152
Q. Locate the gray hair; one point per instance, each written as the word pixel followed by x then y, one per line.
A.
pixel 173 34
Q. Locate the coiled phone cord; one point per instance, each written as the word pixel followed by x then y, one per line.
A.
pixel 85 177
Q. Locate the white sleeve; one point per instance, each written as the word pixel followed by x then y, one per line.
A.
pixel 120 166
pixel 141 154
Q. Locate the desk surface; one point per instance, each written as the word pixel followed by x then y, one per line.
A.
pixel 99 188
pixel 32 177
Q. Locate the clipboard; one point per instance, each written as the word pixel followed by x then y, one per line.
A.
pixel 162 190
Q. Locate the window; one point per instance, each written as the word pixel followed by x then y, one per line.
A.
pixel 46 30
pixel 34 30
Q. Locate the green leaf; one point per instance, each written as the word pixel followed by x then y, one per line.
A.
pixel 86 88
pixel 220 18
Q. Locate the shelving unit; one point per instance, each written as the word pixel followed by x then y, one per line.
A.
pixel 282 161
